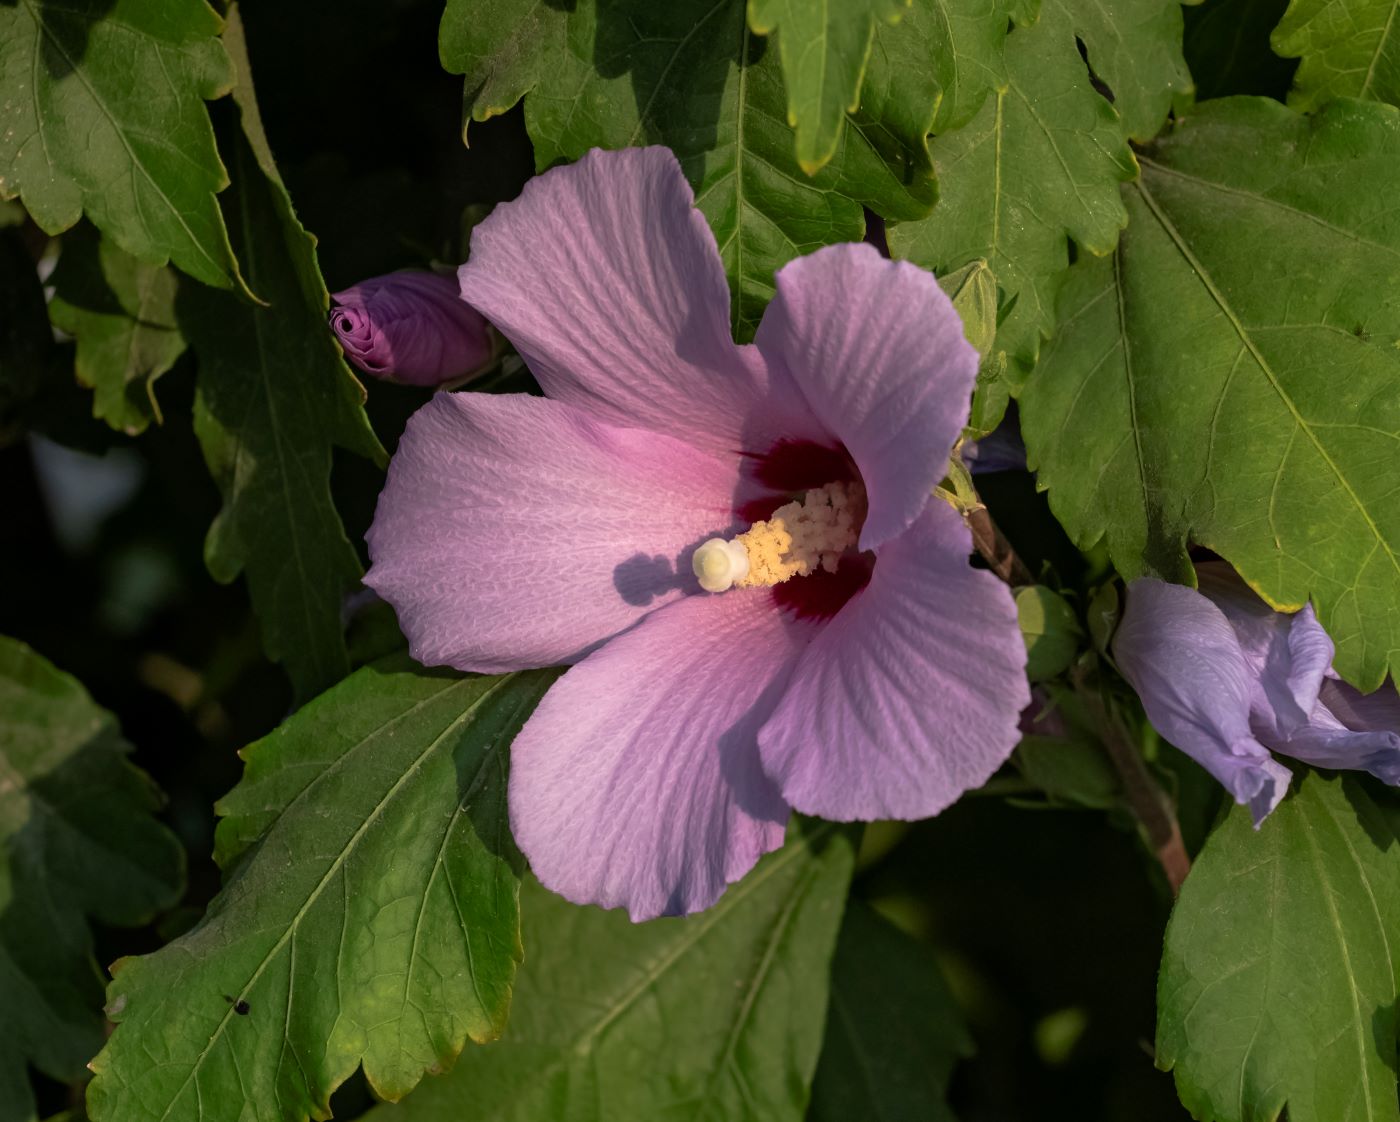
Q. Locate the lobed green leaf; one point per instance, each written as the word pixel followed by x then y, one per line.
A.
pixel 121 312
pixel 824 49
pixel 1183 399
pixel 1278 983
pixel 692 76
pixel 715 1016
pixel 369 914
pixel 1041 161
pixel 1347 50
pixel 103 114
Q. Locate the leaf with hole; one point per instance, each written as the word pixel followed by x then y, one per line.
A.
pixel 1182 400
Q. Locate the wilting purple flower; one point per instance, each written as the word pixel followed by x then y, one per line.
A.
pixel 1229 681
pixel 411 327
pixel 518 531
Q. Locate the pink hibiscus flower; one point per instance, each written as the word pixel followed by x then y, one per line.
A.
pixel 855 667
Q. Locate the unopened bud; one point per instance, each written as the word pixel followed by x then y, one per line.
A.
pixel 411 327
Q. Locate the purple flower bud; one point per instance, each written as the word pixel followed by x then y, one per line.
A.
pixel 411 327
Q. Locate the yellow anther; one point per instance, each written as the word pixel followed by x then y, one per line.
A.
pixel 796 540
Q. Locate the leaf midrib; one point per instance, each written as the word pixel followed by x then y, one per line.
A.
pixel 335 866
pixel 44 32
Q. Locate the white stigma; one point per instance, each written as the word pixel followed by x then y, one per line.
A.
pixel 718 564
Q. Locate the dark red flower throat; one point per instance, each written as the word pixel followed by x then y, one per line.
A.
pixel 790 469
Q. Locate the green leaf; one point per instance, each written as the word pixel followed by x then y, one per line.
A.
pixel 122 314
pixel 893 1031
pixel 962 43
pixel 1040 161
pixel 1184 399
pixel 1278 982
pixel 102 112
pixel 274 398
pixel 369 914
pixel 715 1016
pixel 824 48
pixel 77 839
pixel 691 75
pixel 1347 50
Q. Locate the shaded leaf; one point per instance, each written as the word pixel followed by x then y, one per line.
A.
pixel 692 76
pixel 716 1016
pixel 893 1031
pixel 369 913
pixel 1278 982
pixel 104 114
pixel 1182 398
pixel 1346 50
pixel 824 48
pixel 122 314
pixel 274 398
pixel 77 840
pixel 1040 162
pixel 1071 770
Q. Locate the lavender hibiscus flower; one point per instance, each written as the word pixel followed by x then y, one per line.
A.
pixel 412 328
pixel 1229 681
pixel 849 661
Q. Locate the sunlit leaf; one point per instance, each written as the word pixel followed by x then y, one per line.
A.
pixel 103 114
pixel 692 76
pixel 1039 163
pixel 77 841
pixel 369 915
pixel 1278 983
pixel 824 48
pixel 1183 399
pixel 717 1016
pixel 1347 50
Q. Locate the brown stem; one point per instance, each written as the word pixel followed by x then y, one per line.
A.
pixel 996 550
pixel 1145 797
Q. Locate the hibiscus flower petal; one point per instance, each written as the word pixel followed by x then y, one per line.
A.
pixel 636 782
pixel 515 531
pixel 1351 729
pixel 911 694
pixel 879 353
pixel 1289 655
pixel 608 281
pixel 1181 655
